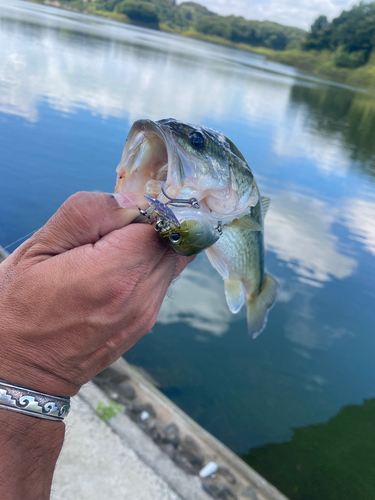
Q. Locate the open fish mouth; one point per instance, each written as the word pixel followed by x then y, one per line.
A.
pixel 145 159
pixel 170 159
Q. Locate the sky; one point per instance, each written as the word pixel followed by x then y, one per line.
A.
pixel 300 13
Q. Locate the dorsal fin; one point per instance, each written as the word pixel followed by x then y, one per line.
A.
pixel 265 204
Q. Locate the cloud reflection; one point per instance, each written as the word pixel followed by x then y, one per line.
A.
pixel 127 75
pixel 360 219
pixel 309 332
pixel 197 299
pixel 115 70
pixel 298 231
pixel 295 138
pixel 121 71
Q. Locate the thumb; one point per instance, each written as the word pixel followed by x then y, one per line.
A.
pixel 83 219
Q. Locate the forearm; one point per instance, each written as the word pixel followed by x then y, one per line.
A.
pixel 29 448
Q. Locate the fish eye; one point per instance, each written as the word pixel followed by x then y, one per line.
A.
pixel 196 140
pixel 175 238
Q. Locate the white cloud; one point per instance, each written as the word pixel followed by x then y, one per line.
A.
pixel 289 12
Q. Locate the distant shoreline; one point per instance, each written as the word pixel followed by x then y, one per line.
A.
pixel 317 63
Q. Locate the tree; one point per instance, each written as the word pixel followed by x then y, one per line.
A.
pixel 351 35
pixel 320 23
pixel 143 12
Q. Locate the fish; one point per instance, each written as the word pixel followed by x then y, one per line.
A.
pixel 202 196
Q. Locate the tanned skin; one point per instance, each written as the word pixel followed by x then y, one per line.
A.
pixel 73 298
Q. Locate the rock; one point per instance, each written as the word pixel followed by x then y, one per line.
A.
pixel 110 375
pixel 226 474
pixel 188 461
pixel 126 391
pixel 111 390
pixel 250 493
pixel 150 429
pixel 168 448
pixel 135 411
pixel 218 490
pixel 189 443
pixel 171 434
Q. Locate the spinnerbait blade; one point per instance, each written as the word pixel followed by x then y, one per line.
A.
pixel 162 210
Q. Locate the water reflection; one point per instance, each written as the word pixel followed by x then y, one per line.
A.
pixel 360 219
pixel 197 299
pixel 349 435
pixel 299 231
pixel 308 332
pixel 340 115
pixel 295 138
pixel 115 78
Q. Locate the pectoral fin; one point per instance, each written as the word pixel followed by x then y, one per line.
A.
pixel 218 260
pixel 246 222
pixel 258 307
pixel 235 295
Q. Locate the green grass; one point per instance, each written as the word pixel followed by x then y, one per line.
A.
pixel 108 411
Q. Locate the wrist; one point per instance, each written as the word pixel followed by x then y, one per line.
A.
pixel 29 450
pixel 33 377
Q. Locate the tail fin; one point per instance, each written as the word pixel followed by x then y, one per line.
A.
pixel 258 307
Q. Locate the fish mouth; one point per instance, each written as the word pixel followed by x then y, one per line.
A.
pixel 154 156
pixel 145 161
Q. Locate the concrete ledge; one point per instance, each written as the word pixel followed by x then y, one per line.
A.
pixel 96 464
pixel 245 483
pixel 186 487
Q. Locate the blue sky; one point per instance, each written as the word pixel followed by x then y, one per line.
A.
pixel 299 13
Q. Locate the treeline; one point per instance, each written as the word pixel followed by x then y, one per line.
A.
pixel 332 49
pixel 180 17
pixel 256 33
pixel 351 35
pixel 194 18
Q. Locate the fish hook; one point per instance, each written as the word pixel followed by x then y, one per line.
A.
pixel 176 201
pixel 219 227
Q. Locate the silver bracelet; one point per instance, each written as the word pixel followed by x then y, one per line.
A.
pixel 33 403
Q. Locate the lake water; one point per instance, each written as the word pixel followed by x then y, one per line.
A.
pixel 70 88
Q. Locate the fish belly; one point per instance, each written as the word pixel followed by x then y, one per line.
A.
pixel 239 257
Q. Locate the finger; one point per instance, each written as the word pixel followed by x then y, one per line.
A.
pixel 83 219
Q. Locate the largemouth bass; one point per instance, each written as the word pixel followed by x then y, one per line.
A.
pixel 202 196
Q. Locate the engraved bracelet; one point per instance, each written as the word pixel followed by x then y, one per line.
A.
pixel 33 403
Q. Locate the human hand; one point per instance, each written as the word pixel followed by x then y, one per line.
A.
pixel 79 293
